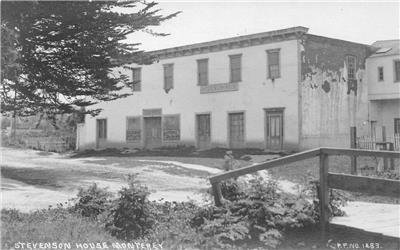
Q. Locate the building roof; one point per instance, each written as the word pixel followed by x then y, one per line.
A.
pixel 386 47
pixel 231 43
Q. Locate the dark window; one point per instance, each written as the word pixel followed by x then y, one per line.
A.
pixel 351 67
pixel 380 73
pixel 171 128
pixel 136 79
pixel 236 68
pixel 273 64
pixel 102 128
pixel 202 72
pixel 397 71
pixel 168 76
pixel 397 125
pixel 133 129
pixel 373 129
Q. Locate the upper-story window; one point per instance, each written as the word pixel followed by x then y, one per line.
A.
pixel 380 74
pixel 168 76
pixel 136 79
pixel 235 68
pixel 351 67
pixel 202 72
pixel 273 63
pixel 397 70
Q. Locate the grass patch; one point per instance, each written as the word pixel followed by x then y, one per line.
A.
pixel 49 225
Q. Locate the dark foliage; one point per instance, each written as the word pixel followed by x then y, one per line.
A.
pixel 57 55
pixel 131 215
pixel 92 202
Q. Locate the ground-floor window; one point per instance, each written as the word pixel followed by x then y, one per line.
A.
pixel 102 128
pixel 396 125
pixel 171 128
pixel 133 129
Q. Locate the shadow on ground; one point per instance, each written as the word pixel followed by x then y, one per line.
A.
pixel 339 237
pixel 181 151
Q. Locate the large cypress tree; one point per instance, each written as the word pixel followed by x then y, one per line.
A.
pixel 57 56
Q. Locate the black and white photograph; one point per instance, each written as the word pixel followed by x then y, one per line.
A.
pixel 189 124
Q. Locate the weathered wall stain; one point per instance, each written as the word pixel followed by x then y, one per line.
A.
pixel 330 102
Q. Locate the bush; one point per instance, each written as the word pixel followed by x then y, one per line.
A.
pixel 254 213
pixel 131 214
pixel 173 225
pixel 92 201
pixel 257 212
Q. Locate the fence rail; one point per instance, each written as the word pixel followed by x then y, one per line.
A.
pixel 327 180
pixel 370 142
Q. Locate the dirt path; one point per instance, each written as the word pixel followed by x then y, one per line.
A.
pixel 33 179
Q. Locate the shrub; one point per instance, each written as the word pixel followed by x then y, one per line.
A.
pixel 173 226
pixel 131 214
pixel 92 201
pixel 256 212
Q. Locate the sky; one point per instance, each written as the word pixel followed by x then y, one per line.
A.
pixel 202 21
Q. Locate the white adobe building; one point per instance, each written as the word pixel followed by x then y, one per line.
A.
pixel 279 90
pixel 383 74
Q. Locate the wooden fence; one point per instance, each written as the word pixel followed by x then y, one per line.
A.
pixel 371 143
pixel 374 186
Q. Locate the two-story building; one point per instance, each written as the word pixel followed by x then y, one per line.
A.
pixel 383 74
pixel 279 90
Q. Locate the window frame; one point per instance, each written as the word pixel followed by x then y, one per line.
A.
pixel 231 57
pixel 163 128
pixel 104 130
pixel 268 52
pixel 396 77
pixel 380 68
pixel 199 61
pixel 396 120
pixel 348 67
pixel 138 85
pixel 165 67
pixel 140 128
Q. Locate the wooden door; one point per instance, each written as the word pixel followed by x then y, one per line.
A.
pixel 203 131
pixel 236 130
pixel 274 130
pixel 101 132
pixel 152 130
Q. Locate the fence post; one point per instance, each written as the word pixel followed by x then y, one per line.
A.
pixel 353 144
pixel 216 187
pixel 391 148
pixel 324 194
pixel 385 160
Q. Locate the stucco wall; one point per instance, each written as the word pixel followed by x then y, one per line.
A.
pixel 328 105
pixel 384 112
pixel 255 93
pixel 388 88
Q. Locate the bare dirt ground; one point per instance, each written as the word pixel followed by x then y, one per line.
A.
pixel 33 179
